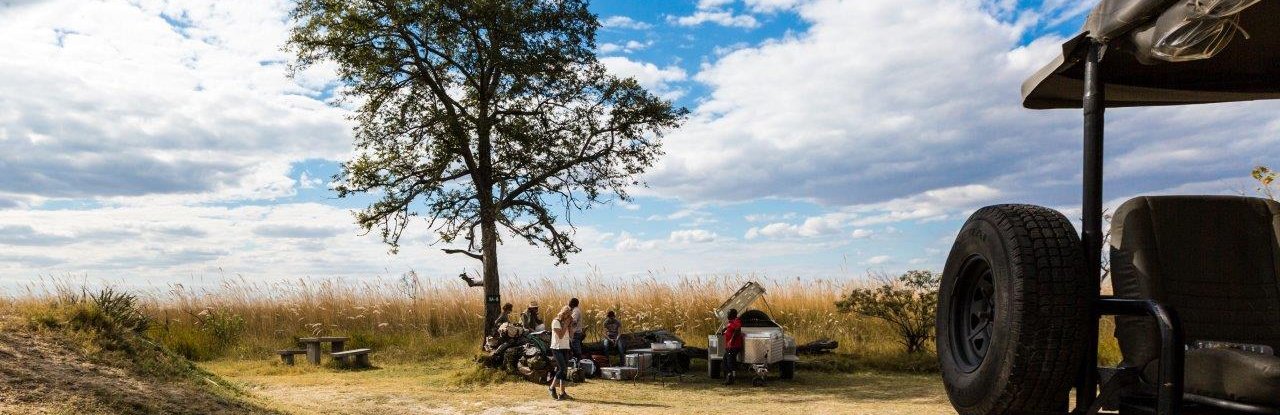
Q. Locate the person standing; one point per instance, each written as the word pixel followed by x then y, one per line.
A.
pixel 530 319
pixel 578 333
pixel 561 331
pixel 613 337
pixel 732 346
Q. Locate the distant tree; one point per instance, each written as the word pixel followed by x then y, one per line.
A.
pixel 1265 176
pixel 908 303
pixel 481 116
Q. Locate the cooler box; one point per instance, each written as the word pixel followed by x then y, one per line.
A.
pixel 640 360
pixel 619 373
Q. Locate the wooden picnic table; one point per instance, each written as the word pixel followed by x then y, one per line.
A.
pixel 313 346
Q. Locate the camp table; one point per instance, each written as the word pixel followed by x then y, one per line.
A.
pixel 664 360
pixel 313 346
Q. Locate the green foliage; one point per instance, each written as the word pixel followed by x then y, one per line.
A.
pixel 213 334
pixel 1265 176
pixel 908 303
pixel 108 316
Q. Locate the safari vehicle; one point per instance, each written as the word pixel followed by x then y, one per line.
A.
pixel 766 344
pixel 1196 278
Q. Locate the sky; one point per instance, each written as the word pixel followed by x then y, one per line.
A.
pixel 150 142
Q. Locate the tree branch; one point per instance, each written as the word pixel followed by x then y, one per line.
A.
pixel 478 257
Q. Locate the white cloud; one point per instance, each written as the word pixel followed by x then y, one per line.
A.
pixel 719 17
pixel 107 99
pixel 811 227
pixel 624 22
pixel 692 236
pixel 712 4
pixel 879 260
pixel 648 75
pixel 305 181
pixel 861 233
pixel 628 47
pixel 847 118
pixel 771 6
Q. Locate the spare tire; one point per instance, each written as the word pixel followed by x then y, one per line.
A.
pixel 1012 312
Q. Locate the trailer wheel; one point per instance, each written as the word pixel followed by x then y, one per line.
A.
pixel 786 369
pixel 713 368
pixel 1011 312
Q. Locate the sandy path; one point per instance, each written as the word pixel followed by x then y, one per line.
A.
pixel 432 389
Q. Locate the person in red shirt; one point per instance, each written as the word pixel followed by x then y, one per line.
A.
pixel 732 346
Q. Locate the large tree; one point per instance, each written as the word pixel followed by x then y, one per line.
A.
pixel 483 118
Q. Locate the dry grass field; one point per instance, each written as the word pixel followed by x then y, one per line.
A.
pixel 413 319
pixel 425 334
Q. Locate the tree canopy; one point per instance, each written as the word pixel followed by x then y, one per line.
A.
pixel 480 116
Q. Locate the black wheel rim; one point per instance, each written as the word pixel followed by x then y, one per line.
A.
pixel 973 308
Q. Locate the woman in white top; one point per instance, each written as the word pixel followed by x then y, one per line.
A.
pixel 561 332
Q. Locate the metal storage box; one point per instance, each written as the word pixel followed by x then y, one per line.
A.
pixel 763 348
pixel 619 373
pixel 639 360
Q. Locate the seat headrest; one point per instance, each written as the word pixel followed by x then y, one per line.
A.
pixel 1188 212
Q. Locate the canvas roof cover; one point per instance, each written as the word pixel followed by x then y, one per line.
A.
pixel 1245 70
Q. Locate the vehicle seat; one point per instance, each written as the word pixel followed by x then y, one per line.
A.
pixel 1214 261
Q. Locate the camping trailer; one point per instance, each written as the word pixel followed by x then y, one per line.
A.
pixel 766 343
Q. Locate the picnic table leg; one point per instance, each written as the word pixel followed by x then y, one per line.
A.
pixel 337 347
pixel 313 353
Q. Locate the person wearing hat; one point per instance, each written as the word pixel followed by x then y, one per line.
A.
pixel 529 319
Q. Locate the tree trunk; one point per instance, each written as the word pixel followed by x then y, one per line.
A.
pixel 492 295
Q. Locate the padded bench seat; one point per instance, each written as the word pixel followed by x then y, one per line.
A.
pixel 1234 375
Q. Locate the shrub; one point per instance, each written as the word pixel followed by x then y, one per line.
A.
pixel 908 303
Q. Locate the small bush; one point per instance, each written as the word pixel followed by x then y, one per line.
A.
pixel 908 303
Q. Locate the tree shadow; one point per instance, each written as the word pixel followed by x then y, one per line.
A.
pixel 631 404
pixel 859 386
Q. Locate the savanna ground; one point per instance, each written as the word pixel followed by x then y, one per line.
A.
pixel 425 335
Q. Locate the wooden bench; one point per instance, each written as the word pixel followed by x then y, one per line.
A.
pixel 287 355
pixel 361 356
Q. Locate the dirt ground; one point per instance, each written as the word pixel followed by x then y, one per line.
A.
pixel 437 388
pixel 43 374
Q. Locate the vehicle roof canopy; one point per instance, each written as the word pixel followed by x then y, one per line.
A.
pixel 1246 69
pixel 740 300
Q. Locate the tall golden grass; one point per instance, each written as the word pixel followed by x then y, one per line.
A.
pixel 416 319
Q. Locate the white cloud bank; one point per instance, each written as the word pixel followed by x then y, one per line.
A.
pixel 892 100
pixel 116 99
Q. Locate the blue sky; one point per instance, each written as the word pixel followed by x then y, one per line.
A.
pixel 150 142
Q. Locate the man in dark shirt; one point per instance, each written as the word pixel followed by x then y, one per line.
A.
pixel 613 337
